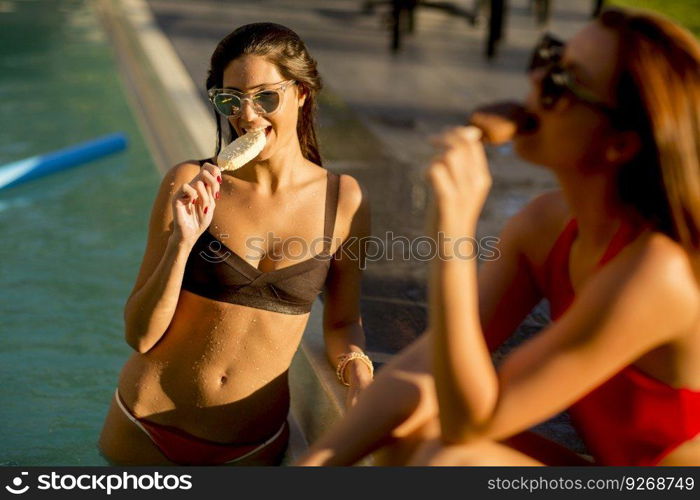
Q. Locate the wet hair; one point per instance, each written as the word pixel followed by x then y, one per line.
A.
pixel 282 47
pixel 658 94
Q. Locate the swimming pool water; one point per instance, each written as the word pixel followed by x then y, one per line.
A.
pixel 71 243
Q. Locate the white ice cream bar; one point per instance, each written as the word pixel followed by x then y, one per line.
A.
pixel 242 150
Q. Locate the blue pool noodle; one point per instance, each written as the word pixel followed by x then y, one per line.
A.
pixel 32 168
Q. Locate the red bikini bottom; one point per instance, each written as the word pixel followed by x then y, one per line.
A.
pixel 546 451
pixel 183 448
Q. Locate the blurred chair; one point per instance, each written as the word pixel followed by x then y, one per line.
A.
pixel 403 16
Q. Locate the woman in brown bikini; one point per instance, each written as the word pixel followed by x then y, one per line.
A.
pixel 233 263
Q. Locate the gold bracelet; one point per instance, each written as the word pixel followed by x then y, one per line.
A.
pixel 346 358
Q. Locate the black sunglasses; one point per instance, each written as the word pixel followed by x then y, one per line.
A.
pixel 558 80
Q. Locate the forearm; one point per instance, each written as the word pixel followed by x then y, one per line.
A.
pixel 150 309
pixel 466 381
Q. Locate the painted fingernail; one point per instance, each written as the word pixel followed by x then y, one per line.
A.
pixel 218 178
pixel 217 195
pixel 205 209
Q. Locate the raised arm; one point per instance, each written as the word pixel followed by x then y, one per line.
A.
pixel 465 379
pixel 151 304
pixel 342 322
pixel 401 400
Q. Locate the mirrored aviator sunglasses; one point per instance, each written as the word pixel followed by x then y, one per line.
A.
pixel 548 51
pixel 547 55
pixel 558 80
pixel 228 102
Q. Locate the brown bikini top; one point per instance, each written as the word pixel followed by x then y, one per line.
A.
pixel 215 271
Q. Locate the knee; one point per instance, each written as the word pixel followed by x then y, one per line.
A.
pixel 416 402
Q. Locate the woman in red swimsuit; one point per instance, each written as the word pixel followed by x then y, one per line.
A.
pixel 615 251
pixel 233 263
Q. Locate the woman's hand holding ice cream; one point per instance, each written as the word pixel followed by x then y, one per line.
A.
pixel 194 203
pixel 460 178
pixel 459 173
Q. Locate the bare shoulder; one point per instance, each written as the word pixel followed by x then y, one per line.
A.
pixel 352 200
pixel 182 172
pixel 174 178
pixel 538 224
pixel 653 274
pixel 353 216
pixel 351 194
pixel 664 264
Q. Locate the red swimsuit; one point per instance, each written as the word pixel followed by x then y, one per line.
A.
pixel 633 418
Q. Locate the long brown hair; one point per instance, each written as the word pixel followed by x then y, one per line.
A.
pixel 658 92
pixel 283 48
